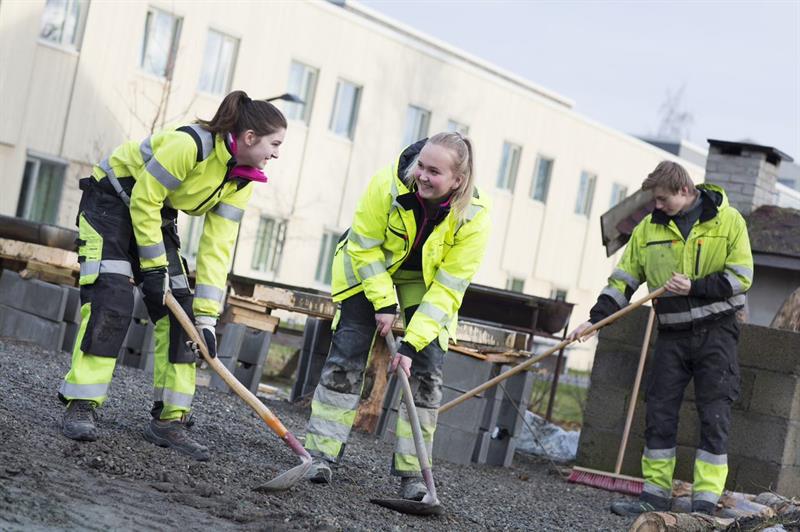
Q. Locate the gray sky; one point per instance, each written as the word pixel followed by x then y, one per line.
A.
pixel 738 62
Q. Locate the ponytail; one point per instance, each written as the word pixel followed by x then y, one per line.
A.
pixel 238 113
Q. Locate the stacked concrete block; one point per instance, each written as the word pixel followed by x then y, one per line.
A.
pixel 243 350
pixel 137 348
pixel 72 317
pixel 316 343
pixel 32 310
pixel 765 428
pixel 749 176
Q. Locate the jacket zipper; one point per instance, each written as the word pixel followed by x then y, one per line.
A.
pixel 697 258
pixel 216 190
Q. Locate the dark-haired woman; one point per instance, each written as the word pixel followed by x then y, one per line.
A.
pixel 127 221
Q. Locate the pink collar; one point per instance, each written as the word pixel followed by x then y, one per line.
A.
pixel 250 173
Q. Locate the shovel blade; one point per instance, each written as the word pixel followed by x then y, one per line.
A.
pixel 287 479
pixel 405 506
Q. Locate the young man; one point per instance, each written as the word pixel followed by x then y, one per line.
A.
pixel 696 245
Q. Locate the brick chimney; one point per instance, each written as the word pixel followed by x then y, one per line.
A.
pixel 747 172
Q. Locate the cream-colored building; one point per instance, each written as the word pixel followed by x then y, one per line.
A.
pixel 80 77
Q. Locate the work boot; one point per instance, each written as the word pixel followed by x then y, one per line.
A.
pixel 320 472
pixel 412 488
pixel 174 434
pixel 79 419
pixel 704 507
pixel 628 508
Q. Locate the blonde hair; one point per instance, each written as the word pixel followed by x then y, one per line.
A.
pixel 670 176
pixel 463 165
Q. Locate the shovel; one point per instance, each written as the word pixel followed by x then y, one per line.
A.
pixel 429 505
pixel 285 480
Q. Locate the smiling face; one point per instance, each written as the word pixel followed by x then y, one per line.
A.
pixel 672 203
pixel 434 173
pixel 256 151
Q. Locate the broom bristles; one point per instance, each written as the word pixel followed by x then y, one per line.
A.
pixel 607 481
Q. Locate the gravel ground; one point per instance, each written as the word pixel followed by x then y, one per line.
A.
pixel 122 482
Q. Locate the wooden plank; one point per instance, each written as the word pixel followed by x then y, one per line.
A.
pixel 251 318
pixel 27 251
pixel 375 379
pixel 312 304
pixel 248 303
pixel 484 334
pixel 48 273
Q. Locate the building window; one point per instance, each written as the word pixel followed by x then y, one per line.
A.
pixel 326 250
pixel 541 179
pixel 417 120
pixel 160 44
pixel 269 245
pixel 191 239
pixel 345 109
pixel 515 284
pixel 618 193
pixel 509 164
pixel 219 61
pixel 303 84
pixel 63 22
pixel 558 294
pixel 457 127
pixel 583 205
pixel 41 190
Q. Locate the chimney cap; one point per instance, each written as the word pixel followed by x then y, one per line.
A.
pixel 774 155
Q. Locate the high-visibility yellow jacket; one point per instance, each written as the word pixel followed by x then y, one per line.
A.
pixel 380 239
pixel 716 257
pixel 185 168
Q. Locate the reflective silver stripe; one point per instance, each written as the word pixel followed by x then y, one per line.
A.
pixel 121 267
pixel 371 270
pixel 162 175
pixel 389 258
pixel 152 251
pixel 207 291
pixel 177 398
pixel 657 490
pixel 704 311
pixel 105 166
pixel 206 139
pixel 427 420
pixel 146 150
pixel 736 285
pixel 406 446
pixel 706 496
pixel 434 312
pixel 345 401
pixel 363 241
pixel 709 458
pixel 179 282
pixel 659 454
pixel 229 212
pixel 741 271
pixel 83 391
pixel 451 281
pixel 627 278
pixel 616 295
pixel 471 212
pixel 328 428
pixel 349 274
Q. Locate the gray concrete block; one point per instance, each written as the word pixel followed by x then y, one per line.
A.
pixel 771 349
pixel 494 450
pixel 598 449
pixel 615 364
pixel 463 372
pixel 20 325
pixel 453 445
pixel 33 296
pixel 629 329
pixel 70 335
pixel 751 475
pixel 72 309
pixel 139 308
pixel 606 407
pixel 758 436
pixel 776 394
pixel 467 416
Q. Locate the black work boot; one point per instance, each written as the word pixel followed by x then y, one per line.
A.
pixel 79 419
pixel 646 503
pixel 320 472
pixel 174 434
pixel 704 507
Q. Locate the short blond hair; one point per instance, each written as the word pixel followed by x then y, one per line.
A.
pixel 668 175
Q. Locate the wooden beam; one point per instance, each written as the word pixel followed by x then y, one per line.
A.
pixel 251 318
pixel 375 379
pixel 26 251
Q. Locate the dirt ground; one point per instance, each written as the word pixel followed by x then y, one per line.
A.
pixel 122 482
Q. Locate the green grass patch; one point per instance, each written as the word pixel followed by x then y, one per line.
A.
pixel 569 402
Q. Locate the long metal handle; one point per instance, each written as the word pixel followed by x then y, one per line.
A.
pixel 413 418
pixel 531 361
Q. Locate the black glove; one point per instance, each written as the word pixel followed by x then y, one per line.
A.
pixel 155 284
pixel 206 327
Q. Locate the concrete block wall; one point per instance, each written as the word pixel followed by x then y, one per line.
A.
pixel 764 445
pixel 243 350
pixel 747 177
pixel 33 310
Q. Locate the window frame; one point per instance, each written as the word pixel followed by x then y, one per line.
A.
pixel 231 70
pixel 616 189
pixel 512 282
pixel 455 126
pixel 507 173
pixel 28 189
pixel 356 104
pixel 307 93
pixel 274 246
pixel 418 122
pixel 585 197
pixel 78 31
pixel 536 176
pixel 172 53
pixel 327 249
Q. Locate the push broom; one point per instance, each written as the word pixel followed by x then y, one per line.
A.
pixel 616 481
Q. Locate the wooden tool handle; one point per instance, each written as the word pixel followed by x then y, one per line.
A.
pixel 239 388
pixel 531 361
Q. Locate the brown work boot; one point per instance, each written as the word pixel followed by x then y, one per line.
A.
pixel 79 421
pixel 174 434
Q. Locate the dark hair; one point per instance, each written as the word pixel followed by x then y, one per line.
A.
pixel 238 113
